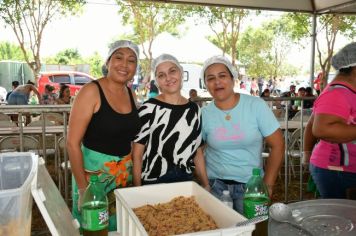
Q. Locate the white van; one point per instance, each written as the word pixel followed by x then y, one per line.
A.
pixel 192 80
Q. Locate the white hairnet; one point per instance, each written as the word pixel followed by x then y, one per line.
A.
pixel 164 58
pixel 345 58
pixel 218 60
pixel 122 44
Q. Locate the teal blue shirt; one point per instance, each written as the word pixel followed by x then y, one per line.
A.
pixel 234 146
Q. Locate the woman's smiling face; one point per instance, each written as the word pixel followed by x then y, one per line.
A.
pixel 218 81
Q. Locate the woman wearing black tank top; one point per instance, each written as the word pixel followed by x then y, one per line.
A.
pixel 102 125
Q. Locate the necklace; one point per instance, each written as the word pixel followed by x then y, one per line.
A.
pixel 227 114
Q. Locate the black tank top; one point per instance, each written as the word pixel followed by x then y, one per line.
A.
pixel 110 132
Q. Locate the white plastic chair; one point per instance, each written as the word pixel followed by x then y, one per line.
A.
pixel 294 147
pixel 61 164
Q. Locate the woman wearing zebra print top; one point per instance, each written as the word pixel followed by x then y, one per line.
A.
pixel 165 148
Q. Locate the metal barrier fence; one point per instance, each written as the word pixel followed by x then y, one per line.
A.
pixel 23 110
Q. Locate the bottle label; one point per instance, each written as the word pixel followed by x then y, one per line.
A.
pixel 94 219
pixel 255 207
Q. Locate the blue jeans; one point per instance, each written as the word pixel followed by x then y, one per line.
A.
pixel 331 183
pixel 236 192
pixel 173 175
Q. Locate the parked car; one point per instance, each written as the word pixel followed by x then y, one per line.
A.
pixel 75 80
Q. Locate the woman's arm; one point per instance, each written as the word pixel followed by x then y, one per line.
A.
pixel 274 162
pixel 137 154
pixel 333 129
pixel 200 169
pixel 85 104
pixel 309 141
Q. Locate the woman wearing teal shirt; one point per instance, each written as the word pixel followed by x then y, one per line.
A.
pixel 234 128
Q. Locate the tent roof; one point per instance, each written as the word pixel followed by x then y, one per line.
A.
pixel 311 6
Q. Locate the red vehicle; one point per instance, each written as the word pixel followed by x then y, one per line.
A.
pixel 75 80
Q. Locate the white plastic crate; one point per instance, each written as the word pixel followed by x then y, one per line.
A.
pixel 129 225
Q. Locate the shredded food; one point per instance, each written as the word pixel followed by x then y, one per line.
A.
pixel 180 215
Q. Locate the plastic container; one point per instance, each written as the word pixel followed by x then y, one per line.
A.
pixel 256 198
pixel 128 198
pixel 226 199
pixel 17 170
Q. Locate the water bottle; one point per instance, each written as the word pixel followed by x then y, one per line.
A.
pixel 226 199
pixel 256 198
pixel 94 209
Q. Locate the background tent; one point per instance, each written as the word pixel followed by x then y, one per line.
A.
pixel 188 49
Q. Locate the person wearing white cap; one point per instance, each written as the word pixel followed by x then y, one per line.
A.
pixel 333 122
pixel 103 122
pixel 234 127
pixel 164 150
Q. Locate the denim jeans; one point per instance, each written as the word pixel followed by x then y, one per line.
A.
pixel 173 175
pixel 331 183
pixel 236 192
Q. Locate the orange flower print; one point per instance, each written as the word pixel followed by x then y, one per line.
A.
pixel 118 169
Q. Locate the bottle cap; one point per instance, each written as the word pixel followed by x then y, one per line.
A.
pixel 226 192
pixel 94 178
pixel 256 171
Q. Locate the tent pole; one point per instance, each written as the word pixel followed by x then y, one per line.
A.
pixel 312 59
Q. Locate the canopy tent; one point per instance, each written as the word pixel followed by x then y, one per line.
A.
pixel 311 6
pixel 188 49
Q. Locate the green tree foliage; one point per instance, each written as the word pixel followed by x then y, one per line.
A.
pixel 29 18
pixel 226 25
pixel 72 56
pixel 95 61
pixel 9 51
pixel 263 51
pixel 329 27
pixel 148 19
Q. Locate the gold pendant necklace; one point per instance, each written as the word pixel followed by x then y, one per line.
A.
pixel 227 114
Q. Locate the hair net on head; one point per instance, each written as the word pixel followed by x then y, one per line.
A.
pixel 218 60
pixel 345 58
pixel 122 44
pixel 165 58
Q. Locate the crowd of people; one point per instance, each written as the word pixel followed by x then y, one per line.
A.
pixel 169 138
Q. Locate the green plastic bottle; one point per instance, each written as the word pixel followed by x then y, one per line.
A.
pixel 256 199
pixel 94 209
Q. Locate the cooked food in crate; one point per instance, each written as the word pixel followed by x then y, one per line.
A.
pixel 180 215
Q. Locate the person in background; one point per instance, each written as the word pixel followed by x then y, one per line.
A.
pixel 21 96
pixel 333 122
pixel 49 97
pixel 298 103
pixel 102 124
pixel 234 129
pixel 318 82
pixel 164 150
pixel 154 91
pixel 265 94
pixel 64 95
pixel 308 104
pixel 193 96
pixel 14 84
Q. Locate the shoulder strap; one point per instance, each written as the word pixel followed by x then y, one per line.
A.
pixel 102 95
pixel 337 85
pixel 131 98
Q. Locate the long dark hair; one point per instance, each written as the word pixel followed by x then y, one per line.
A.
pixel 61 90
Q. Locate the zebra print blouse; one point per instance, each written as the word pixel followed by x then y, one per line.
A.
pixel 171 135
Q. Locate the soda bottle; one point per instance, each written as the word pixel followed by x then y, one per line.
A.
pixel 94 209
pixel 226 199
pixel 256 198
